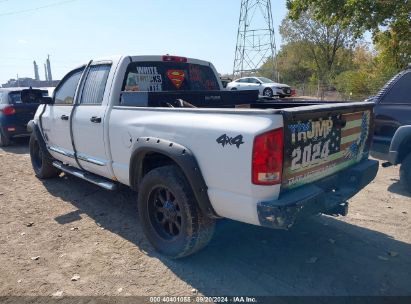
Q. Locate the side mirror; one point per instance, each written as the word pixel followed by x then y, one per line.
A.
pixel 47 100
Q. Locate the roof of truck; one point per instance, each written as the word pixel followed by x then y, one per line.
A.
pixel 146 58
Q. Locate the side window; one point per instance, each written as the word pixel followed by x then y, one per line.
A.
pixel 400 92
pixel 64 93
pixel 15 97
pixel 95 84
pixel 3 98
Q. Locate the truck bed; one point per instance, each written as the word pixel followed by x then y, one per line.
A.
pixel 320 138
pixel 214 99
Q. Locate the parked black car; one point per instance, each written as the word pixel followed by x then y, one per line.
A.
pixel 15 114
pixel 392 133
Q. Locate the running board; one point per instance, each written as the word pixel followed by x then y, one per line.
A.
pixel 92 178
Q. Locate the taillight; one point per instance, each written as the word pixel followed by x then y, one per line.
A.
pixel 9 110
pixel 267 163
pixel 170 58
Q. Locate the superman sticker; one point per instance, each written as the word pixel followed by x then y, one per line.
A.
pixel 176 77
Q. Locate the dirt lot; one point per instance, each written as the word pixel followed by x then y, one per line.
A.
pixel 53 230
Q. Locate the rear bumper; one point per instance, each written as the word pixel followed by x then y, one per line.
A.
pixel 328 196
pixel 15 131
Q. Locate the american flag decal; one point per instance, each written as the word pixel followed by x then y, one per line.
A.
pixel 341 148
pixel 358 146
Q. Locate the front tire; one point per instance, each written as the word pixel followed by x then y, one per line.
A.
pixel 169 213
pixel 268 92
pixel 405 172
pixel 42 165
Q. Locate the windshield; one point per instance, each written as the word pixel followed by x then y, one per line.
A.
pixel 265 80
pixel 159 76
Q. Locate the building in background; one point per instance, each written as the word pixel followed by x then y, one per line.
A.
pixel 36 82
pixel 29 82
pixel 45 72
pixel 49 77
pixel 36 71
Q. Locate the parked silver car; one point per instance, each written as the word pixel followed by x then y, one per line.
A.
pixel 267 87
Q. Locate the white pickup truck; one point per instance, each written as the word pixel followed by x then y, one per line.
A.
pixel 164 126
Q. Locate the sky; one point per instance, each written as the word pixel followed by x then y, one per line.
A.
pixel 75 31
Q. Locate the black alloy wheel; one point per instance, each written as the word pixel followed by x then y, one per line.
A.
pixel 165 213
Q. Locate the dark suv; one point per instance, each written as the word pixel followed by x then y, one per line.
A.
pixel 15 114
pixel 392 133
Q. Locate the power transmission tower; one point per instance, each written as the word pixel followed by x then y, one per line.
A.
pixel 255 39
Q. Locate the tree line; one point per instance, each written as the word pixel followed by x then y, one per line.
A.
pixel 325 50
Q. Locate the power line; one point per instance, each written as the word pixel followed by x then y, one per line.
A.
pixel 35 8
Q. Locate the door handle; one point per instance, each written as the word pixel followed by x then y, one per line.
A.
pixel 95 119
pixel 64 117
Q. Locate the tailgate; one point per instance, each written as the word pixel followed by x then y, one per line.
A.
pixel 321 140
pixel 25 112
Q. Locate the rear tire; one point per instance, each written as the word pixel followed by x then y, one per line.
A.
pixel 405 172
pixel 42 165
pixel 169 213
pixel 4 139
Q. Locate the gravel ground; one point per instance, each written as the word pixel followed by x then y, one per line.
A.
pixel 65 236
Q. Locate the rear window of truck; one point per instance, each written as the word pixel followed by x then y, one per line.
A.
pixel 34 96
pixel 161 76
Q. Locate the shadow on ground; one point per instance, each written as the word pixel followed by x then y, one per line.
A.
pixel 18 146
pixel 323 256
pixel 398 188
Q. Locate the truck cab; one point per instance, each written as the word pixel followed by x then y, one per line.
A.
pixel 392 131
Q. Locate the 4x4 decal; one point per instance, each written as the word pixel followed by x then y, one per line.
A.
pixel 226 140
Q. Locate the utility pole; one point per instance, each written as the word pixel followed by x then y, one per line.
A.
pixel 255 39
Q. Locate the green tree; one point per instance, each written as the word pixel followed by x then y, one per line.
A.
pixel 324 45
pixel 293 65
pixel 388 20
pixel 365 77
